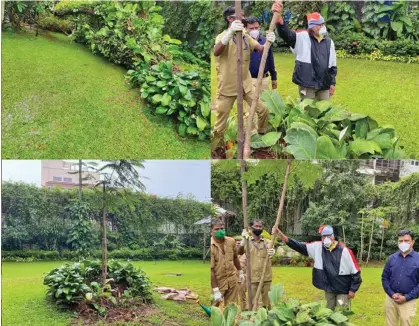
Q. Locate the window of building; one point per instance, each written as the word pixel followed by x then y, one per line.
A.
pixel 68 180
pixel 57 178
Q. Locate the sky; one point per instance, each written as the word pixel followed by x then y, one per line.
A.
pixel 164 178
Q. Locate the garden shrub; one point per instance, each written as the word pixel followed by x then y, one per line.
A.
pixel 50 22
pixel 124 253
pixel 72 284
pixel 131 34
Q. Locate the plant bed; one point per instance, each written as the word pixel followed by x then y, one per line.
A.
pixel 76 287
pixel 283 312
pixel 321 130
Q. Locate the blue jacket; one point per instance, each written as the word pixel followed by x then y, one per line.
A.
pixel 255 59
pixel 401 275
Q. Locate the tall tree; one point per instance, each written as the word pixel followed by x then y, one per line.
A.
pixel 116 176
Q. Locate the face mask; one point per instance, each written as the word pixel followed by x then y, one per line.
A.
pixel 404 246
pixel 257 232
pixel 220 234
pixel 327 242
pixel 323 31
pixel 254 33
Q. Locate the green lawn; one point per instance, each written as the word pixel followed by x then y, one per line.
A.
pixel 24 301
pixel 388 91
pixel 23 295
pixel 59 100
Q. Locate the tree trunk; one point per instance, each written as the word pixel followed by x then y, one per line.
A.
pixel 80 180
pixel 362 238
pixel 104 240
pixel 343 231
pixel 247 244
pixel 382 242
pixel 272 242
pixel 239 54
pixel 257 90
pixel 372 233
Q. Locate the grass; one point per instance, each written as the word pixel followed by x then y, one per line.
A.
pixel 24 303
pixel 24 295
pixel 387 91
pixel 59 100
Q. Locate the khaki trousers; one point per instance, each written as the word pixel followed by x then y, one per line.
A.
pixel 242 296
pixel 265 290
pixel 316 94
pixel 230 295
pixel 336 300
pixel 223 106
pixel 405 313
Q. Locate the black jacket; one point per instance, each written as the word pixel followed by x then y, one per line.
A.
pixel 315 65
pixel 334 271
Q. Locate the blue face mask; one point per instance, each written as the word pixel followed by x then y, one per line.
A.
pixel 327 242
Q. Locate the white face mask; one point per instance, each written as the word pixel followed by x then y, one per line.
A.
pixel 323 31
pixel 327 242
pixel 254 33
pixel 404 246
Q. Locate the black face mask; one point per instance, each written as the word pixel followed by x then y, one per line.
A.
pixel 257 231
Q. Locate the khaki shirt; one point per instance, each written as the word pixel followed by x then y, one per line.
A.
pixel 226 65
pixel 222 257
pixel 258 253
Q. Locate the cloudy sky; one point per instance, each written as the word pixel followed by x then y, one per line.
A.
pixel 165 178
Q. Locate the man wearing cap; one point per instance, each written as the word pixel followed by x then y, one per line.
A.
pixel 335 268
pixel 226 67
pixel 400 281
pixel 224 263
pixel 242 284
pixel 258 252
pixel 315 65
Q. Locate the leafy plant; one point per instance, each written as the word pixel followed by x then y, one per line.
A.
pixel 317 129
pixel 290 312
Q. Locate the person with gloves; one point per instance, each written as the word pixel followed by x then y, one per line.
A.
pixel 315 65
pixel 224 263
pixel 242 285
pixel 400 280
pixel 258 252
pixel 335 271
pixel 226 68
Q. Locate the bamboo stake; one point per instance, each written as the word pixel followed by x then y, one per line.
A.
pixel 246 151
pixel 271 243
pixel 239 55
pixel 247 242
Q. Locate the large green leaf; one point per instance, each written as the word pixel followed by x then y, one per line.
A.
pixel 201 123
pixel 326 149
pixel 301 144
pixel 156 98
pixel 271 138
pixel 362 146
pixel 217 316
pixel 257 142
pixel 230 314
pixel 274 102
pixel 384 141
pixel 361 128
pixel 305 126
pixel 397 26
pixel 276 293
pixel 161 110
pixel 261 315
pixel 338 318
pixel 284 314
pixel 182 129
pixel 165 100
pixel 373 124
pixel 205 109
pixel 357 116
pixel 336 114
pixel 387 129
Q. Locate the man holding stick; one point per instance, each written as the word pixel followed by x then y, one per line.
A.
pixel 224 262
pixel 315 65
pixel 226 67
pixel 258 252
pixel 335 268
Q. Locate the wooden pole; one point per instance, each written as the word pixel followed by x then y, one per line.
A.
pixel 246 150
pixel 271 243
pixel 239 56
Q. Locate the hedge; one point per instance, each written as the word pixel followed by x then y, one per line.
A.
pixel 124 253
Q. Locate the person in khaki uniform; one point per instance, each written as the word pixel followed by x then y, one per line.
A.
pixel 242 285
pixel 258 252
pixel 400 280
pixel 226 67
pixel 224 263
